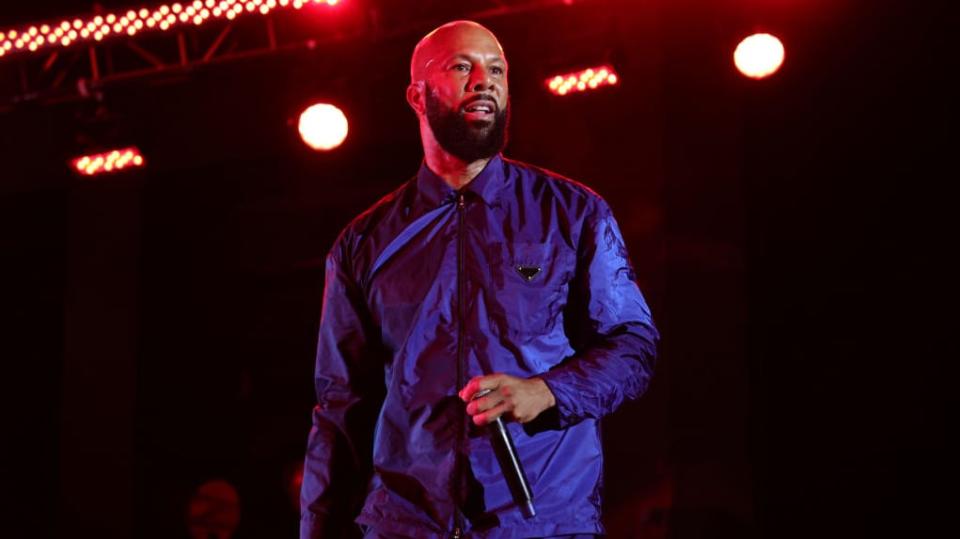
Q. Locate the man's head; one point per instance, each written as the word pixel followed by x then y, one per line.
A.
pixel 458 88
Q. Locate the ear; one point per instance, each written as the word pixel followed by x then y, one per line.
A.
pixel 416 97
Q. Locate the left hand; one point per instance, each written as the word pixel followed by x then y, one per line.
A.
pixel 522 398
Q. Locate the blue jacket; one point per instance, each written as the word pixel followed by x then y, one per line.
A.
pixel 521 272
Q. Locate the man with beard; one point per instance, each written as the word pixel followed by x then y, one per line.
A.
pixel 483 287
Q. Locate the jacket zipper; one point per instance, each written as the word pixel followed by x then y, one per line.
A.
pixel 458 518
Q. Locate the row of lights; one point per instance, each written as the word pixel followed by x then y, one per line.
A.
pixel 581 81
pixel 96 28
pixel 112 161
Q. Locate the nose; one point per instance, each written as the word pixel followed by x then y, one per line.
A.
pixel 481 80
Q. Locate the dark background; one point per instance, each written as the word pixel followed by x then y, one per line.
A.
pixel 158 326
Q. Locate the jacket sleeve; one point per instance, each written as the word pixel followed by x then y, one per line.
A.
pixel 348 379
pixel 609 326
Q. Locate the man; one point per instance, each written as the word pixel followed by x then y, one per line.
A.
pixel 480 273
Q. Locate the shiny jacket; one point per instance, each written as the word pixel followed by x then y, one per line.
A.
pixel 521 272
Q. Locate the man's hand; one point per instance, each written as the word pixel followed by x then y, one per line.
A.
pixel 523 399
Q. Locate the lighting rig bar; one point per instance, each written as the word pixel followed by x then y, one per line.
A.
pixel 74 58
pixel 582 81
pixel 53 35
pixel 106 162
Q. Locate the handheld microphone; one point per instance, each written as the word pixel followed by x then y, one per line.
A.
pixel 510 465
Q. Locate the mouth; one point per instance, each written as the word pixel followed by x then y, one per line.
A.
pixel 479 109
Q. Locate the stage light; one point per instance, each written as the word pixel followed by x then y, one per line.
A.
pixel 322 126
pixel 759 56
pixel 112 161
pixel 579 81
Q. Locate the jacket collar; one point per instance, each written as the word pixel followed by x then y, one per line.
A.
pixel 486 185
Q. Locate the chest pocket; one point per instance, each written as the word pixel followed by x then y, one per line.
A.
pixel 535 280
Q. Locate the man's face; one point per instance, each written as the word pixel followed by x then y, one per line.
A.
pixel 466 98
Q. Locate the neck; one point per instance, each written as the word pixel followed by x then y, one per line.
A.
pixel 455 172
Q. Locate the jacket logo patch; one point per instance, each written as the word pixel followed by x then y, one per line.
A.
pixel 528 272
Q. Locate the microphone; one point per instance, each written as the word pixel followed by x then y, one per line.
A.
pixel 510 465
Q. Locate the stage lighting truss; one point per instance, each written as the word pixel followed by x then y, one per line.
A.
pixel 53 35
pixel 107 162
pixel 38 59
pixel 583 80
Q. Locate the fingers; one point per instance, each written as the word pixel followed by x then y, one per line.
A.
pixel 484 403
pixel 479 383
pixel 490 415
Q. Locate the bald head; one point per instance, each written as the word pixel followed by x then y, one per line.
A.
pixel 449 39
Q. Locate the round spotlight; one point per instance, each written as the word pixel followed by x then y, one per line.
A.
pixel 759 56
pixel 322 126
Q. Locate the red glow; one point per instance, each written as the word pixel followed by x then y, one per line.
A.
pixel 114 160
pixel 584 80
pixel 214 510
pixel 759 56
pixel 323 126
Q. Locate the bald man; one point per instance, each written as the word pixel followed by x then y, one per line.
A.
pixel 481 288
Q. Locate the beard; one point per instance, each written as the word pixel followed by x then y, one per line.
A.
pixel 465 140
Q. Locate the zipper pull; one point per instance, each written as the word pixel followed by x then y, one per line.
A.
pixel 460 200
pixel 457 532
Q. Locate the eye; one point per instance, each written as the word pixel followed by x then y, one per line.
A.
pixel 461 67
pixel 496 70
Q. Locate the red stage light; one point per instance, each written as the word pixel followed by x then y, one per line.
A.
pixel 323 126
pixel 759 56
pixel 579 81
pixel 114 160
